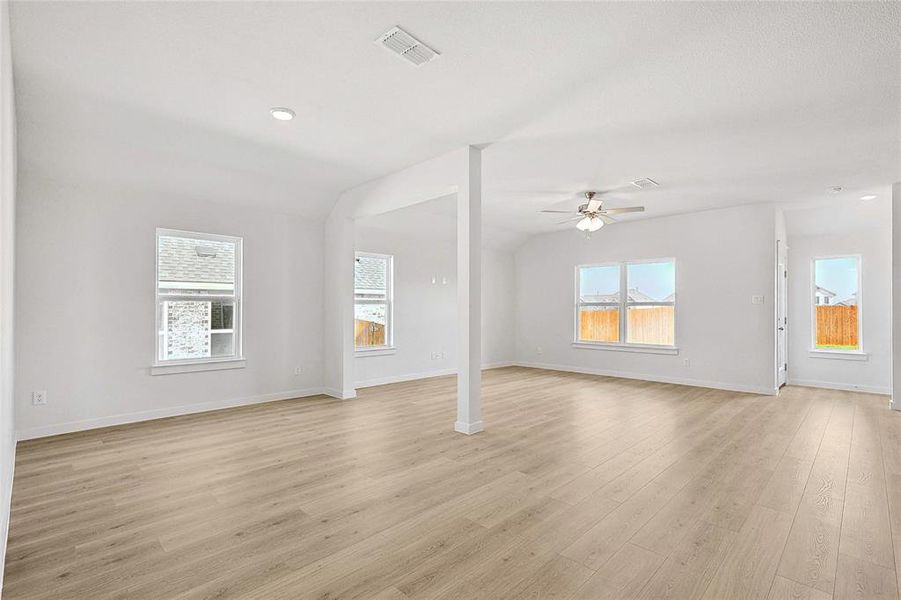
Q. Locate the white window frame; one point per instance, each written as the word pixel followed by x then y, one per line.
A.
pixel 623 306
pixel 388 347
pixel 236 360
pixel 815 352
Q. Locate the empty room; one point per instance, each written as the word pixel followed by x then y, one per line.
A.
pixel 450 300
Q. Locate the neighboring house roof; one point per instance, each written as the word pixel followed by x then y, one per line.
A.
pixel 180 260
pixel 852 301
pixel 634 296
pixel 369 274
pixel 196 261
pixel 821 291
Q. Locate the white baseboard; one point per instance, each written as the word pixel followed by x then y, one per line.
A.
pixel 7 505
pixel 336 393
pixel 424 375
pixel 718 385
pixel 847 387
pixel 160 413
pixel 469 428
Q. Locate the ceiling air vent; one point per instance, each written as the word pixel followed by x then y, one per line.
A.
pixel 645 183
pixel 406 46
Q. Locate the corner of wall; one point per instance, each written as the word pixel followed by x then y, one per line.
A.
pixel 7 279
pixel 896 291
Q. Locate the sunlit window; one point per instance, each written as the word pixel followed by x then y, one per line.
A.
pixel 373 297
pixel 630 303
pixel 198 293
pixel 836 304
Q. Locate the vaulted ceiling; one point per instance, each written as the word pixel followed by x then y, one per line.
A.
pixel 722 103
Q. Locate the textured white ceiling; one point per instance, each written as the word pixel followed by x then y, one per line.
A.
pixel 723 103
pixel 837 217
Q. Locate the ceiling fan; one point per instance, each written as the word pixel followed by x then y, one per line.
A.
pixel 592 215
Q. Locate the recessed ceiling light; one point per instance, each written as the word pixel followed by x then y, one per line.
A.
pixel 868 197
pixel 281 113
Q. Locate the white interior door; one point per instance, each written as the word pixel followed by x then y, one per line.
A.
pixel 781 317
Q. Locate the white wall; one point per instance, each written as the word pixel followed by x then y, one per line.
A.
pixel 425 314
pixel 7 279
pixel 723 257
pixel 871 237
pixel 896 294
pixel 498 306
pixel 85 306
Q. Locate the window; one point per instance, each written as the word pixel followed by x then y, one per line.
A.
pixel 373 298
pixel 836 304
pixel 599 306
pixel 629 303
pixel 198 297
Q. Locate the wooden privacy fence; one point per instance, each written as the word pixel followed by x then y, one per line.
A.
pixel 836 325
pixel 368 333
pixel 646 325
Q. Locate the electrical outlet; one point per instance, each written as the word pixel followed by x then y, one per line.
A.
pixel 756 299
pixel 686 362
pixel 539 350
pixel 39 397
pixel 298 370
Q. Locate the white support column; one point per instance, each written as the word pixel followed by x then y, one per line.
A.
pixel 469 295
pixel 338 293
pixel 896 296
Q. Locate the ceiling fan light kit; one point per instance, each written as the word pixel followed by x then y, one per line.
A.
pixel 589 224
pixel 592 215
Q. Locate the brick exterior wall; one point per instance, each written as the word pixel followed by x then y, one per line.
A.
pixel 187 330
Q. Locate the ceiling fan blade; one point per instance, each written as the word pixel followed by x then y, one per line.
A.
pixel 606 219
pixel 593 205
pixel 579 218
pixel 619 189
pixel 619 211
pixel 557 211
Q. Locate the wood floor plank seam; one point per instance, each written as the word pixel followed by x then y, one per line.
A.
pixel 797 508
pixel 842 520
pixel 891 531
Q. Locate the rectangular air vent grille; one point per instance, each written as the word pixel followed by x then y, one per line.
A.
pixel 406 46
pixel 645 183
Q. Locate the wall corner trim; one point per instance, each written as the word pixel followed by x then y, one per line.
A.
pixel 4 526
pixel 339 394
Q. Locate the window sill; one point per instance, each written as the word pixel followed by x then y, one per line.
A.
pixel 839 354
pixel 195 366
pixel 647 349
pixel 380 351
